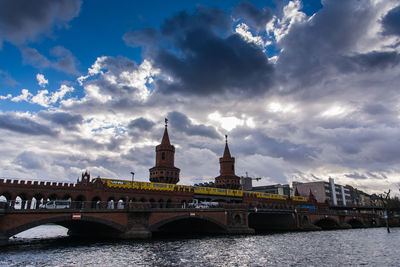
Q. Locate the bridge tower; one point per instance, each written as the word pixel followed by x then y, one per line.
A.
pixel 227 177
pixel 164 171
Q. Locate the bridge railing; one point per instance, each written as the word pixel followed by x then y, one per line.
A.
pixel 29 206
pixel 345 212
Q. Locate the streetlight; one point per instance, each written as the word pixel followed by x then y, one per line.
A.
pixel 133 175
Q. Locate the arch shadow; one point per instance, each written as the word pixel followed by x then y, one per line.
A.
pixel 86 223
pixel 187 224
pixel 327 223
pixel 355 223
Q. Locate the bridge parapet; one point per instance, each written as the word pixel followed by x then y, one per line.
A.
pixel 47 184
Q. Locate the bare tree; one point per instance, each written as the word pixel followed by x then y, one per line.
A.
pixel 387 204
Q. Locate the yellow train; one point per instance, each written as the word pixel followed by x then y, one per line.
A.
pixel 116 183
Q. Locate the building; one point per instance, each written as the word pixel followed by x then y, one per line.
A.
pixel 246 183
pixel 281 189
pixel 164 171
pixel 227 177
pixel 333 194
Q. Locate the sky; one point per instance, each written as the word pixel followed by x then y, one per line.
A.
pixel 305 90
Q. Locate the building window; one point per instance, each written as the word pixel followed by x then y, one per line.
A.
pixel 163 155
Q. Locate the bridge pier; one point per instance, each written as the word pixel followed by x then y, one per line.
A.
pixel 137 227
pixel 3 239
pixel 237 222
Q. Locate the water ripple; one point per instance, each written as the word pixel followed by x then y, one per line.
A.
pixel 357 247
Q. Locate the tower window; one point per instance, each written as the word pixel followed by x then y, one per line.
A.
pixel 233 167
pixel 163 155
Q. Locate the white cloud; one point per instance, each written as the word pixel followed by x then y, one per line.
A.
pixel 42 81
pixel 8 96
pixel 244 31
pixel 43 97
pixel 24 96
pixel 93 70
pixel 280 27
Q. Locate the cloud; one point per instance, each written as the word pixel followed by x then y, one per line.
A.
pixel 119 80
pixel 42 81
pixel 6 78
pixel 24 96
pixel 30 160
pixel 66 120
pixel 372 61
pixel 63 59
pixel 30 56
pixel 391 22
pixel 141 37
pixel 256 17
pixel 43 97
pixel 312 48
pixel 22 21
pixel 24 125
pixel 141 124
pixel 181 123
pixel 202 61
pixel 356 176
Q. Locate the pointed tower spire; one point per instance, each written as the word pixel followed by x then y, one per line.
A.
pixel 165 139
pixel 164 171
pixel 227 153
pixel 227 177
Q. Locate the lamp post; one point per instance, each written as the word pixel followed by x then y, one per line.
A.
pixel 133 175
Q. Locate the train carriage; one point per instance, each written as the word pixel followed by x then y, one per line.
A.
pixel 117 183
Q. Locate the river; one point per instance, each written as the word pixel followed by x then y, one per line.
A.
pixel 371 247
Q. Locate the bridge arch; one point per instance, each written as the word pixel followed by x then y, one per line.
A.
pixel 327 223
pixel 189 224
pixel 87 225
pixel 7 195
pixel 356 223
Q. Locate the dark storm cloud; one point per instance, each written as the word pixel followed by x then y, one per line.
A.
pixel 24 19
pixel 27 126
pixel 203 57
pixel 205 18
pixel 30 160
pixel 254 16
pixel 391 22
pixel 312 48
pixel 141 124
pixel 372 61
pixel 66 120
pixel 180 122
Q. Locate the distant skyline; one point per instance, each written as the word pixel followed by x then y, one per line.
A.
pixel 305 90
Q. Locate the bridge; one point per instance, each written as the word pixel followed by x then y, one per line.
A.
pixel 133 221
pixel 138 220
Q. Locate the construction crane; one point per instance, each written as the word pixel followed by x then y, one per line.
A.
pixel 256 178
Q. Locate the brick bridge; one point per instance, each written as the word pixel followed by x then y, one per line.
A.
pixel 129 213
pixel 137 220
pixel 141 220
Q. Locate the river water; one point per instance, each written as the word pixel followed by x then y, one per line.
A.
pixel 355 247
